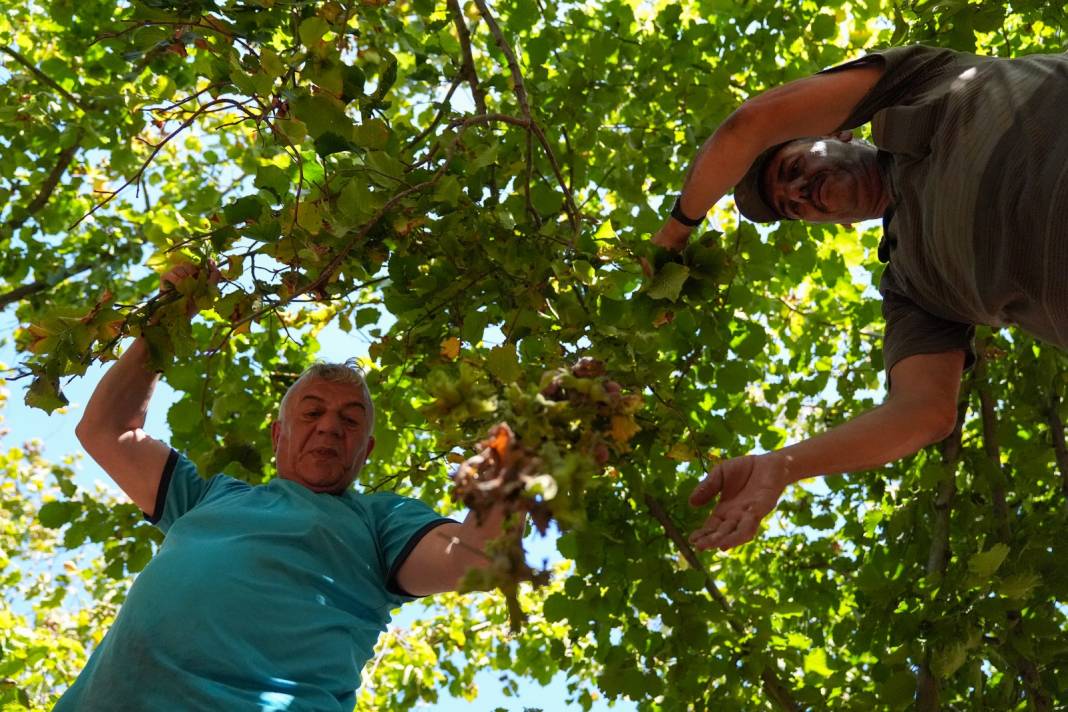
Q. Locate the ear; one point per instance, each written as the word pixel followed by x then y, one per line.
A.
pixel 843 136
pixel 370 447
pixel 276 432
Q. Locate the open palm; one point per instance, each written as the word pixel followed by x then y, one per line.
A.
pixel 748 488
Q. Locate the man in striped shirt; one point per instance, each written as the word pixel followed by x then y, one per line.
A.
pixel 969 174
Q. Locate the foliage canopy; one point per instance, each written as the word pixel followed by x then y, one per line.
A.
pixel 471 188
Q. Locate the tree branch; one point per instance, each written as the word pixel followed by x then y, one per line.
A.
pixel 520 91
pixel 47 187
pixel 467 67
pixel 1056 432
pixel 927 687
pixel 40 285
pixel 1026 667
pixel 25 62
pixel 774 687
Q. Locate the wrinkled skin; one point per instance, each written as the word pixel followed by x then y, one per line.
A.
pixel 831 179
pixel 322 438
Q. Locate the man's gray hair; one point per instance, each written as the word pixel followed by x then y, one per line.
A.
pixel 348 372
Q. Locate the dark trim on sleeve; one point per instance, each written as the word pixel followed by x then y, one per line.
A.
pixel 164 485
pixel 391 578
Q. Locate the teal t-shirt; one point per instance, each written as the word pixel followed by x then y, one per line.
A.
pixel 266 598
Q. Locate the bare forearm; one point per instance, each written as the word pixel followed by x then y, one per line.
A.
pixel 880 436
pixel 120 401
pixel 719 164
pixel 476 532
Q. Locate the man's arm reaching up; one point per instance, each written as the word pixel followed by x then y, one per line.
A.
pixel 921 409
pixel 813 106
pixel 111 427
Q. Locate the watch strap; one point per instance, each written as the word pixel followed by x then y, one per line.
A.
pixel 676 212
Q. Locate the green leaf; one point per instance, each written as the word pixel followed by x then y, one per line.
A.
pixel 54 515
pixel 250 207
pixel 312 30
pixel 984 564
pixel 503 363
pixel 321 115
pixel 373 134
pixel 667 283
pixel 44 393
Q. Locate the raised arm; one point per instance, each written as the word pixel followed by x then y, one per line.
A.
pixel 813 106
pixel 111 427
pixel 921 409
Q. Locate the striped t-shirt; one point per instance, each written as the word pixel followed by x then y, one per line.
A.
pixel 975 153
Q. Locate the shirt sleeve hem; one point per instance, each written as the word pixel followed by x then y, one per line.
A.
pixel 391 579
pixel 164 485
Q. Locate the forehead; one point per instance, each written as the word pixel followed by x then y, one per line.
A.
pixel 335 393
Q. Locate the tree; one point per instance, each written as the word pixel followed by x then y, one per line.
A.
pixel 472 187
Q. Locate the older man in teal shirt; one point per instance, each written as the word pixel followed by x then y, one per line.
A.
pixel 266 597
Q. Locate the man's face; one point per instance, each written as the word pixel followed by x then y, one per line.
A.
pixel 828 179
pixel 322 438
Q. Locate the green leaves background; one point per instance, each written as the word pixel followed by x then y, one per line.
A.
pixel 420 172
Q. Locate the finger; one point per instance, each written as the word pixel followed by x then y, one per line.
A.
pixel 710 525
pixel 746 530
pixel 712 536
pixel 709 487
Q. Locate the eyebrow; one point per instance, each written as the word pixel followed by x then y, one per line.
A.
pixel 350 404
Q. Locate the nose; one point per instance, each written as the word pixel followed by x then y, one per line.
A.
pixel 797 189
pixel 329 423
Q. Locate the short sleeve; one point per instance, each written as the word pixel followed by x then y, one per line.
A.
pixel 399 524
pixel 180 489
pixel 907 74
pixel 911 330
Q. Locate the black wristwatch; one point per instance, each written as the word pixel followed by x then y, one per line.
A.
pixel 676 212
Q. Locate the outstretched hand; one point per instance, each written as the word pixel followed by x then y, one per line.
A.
pixel 748 488
pixel 170 280
pixel 672 235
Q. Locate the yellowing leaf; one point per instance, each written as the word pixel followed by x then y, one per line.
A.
pixel 623 428
pixel 450 348
pixel 681 452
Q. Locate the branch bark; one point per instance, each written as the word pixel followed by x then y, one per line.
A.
pixel 993 452
pixel 63 161
pixel 927 686
pixel 25 62
pixel 40 285
pixel 774 687
pixel 467 68
pixel 1056 431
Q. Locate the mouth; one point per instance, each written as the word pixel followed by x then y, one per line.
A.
pixel 818 198
pixel 323 453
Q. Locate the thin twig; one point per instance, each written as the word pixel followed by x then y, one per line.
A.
pixel 24 61
pixel 774 687
pixel 185 124
pixel 520 92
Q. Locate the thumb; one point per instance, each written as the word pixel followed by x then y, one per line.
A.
pixel 709 487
